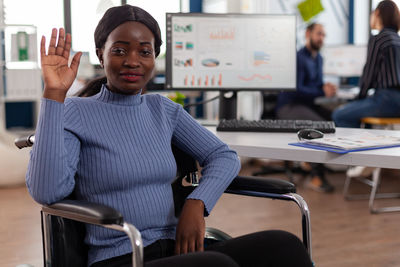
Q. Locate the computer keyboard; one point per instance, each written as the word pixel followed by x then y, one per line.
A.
pixel 235 125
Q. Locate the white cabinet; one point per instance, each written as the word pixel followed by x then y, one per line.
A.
pixel 21 82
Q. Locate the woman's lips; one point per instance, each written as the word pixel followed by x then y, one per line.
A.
pixel 131 77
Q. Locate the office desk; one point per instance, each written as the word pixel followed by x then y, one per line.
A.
pixel 275 146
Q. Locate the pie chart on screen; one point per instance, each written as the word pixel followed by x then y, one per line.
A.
pixel 210 62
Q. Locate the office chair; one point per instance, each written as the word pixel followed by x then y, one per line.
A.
pixel 63 228
pixel 269 105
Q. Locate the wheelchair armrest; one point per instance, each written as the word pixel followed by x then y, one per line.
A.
pixel 261 185
pixel 84 211
pixel 275 189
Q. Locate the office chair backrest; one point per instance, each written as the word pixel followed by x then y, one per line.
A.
pixel 269 105
pixel 67 236
pixel 186 178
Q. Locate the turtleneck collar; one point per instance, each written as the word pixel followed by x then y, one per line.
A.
pixel 107 96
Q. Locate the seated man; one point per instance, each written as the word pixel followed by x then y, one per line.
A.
pixel 300 104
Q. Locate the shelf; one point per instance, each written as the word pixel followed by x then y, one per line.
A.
pixel 21 83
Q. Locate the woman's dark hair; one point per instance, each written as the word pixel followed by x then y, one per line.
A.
pixel 92 87
pixel 114 17
pixel 389 14
pixel 117 15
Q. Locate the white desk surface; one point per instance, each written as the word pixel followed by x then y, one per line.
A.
pixel 275 146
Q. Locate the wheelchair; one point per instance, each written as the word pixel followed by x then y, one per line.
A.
pixel 63 223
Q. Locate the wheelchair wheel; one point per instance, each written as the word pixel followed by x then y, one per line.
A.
pixel 216 235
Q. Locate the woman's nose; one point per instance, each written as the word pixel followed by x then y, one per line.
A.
pixel 132 59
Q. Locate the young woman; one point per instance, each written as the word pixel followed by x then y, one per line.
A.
pixel 114 147
pixel 381 71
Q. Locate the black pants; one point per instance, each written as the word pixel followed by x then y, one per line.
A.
pixel 261 249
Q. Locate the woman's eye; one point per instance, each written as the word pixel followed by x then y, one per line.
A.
pixel 147 52
pixel 118 51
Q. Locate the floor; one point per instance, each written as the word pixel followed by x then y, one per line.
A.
pixel 344 233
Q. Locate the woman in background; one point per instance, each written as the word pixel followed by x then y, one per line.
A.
pixel 381 71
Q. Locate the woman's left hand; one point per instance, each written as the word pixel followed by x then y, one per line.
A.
pixel 58 76
pixel 191 228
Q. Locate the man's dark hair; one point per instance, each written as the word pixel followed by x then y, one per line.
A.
pixel 389 14
pixel 311 26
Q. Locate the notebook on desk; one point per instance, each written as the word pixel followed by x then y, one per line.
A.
pixel 351 143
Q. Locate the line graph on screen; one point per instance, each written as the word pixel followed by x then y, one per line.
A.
pixel 255 76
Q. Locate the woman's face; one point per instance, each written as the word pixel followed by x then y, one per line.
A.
pixel 374 20
pixel 128 58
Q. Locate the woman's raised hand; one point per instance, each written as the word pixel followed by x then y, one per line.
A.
pixel 57 75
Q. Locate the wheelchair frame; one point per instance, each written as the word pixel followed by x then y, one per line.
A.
pixel 102 215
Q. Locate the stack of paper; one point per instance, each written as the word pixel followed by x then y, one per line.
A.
pixel 344 144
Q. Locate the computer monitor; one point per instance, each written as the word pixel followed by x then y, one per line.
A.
pixel 231 51
pixel 344 60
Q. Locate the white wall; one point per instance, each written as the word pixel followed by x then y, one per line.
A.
pixel 334 18
pixel 215 6
pixel 361 22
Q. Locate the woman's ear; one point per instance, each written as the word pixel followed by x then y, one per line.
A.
pixel 99 53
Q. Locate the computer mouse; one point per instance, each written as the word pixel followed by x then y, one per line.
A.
pixel 309 134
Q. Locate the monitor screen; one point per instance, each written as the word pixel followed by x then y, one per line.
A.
pixel 344 60
pixel 231 51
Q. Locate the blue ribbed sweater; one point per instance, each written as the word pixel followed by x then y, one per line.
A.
pixel 116 149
